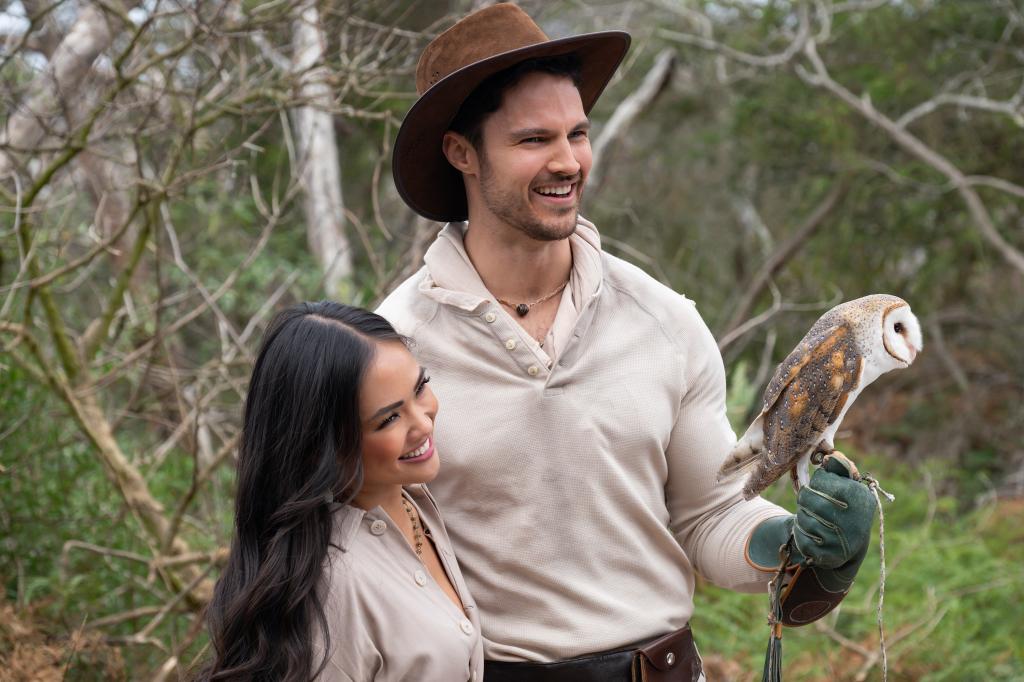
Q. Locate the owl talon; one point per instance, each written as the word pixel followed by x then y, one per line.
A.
pixel 854 472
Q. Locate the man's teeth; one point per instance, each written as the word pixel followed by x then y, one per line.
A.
pixel 418 451
pixel 555 191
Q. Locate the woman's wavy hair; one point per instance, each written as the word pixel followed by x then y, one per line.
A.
pixel 300 449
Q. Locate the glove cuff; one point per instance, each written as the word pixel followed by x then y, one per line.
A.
pixel 764 546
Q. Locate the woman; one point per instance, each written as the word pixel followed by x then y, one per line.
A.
pixel 340 568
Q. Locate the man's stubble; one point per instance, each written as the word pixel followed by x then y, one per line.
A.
pixel 509 207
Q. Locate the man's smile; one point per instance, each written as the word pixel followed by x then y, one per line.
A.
pixel 559 193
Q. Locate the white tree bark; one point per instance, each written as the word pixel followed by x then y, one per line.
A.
pixel 68 66
pixel 317 154
pixel 629 109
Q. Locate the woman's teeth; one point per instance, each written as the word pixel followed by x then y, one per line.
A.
pixel 418 451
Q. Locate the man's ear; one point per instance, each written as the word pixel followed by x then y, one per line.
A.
pixel 460 152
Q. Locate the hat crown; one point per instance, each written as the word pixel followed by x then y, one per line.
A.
pixel 483 34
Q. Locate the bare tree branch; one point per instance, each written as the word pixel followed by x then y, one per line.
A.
pixel 629 109
pixel 762 61
pixel 1012 107
pixel 782 255
pixel 983 221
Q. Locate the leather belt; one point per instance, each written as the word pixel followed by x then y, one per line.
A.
pixel 671 658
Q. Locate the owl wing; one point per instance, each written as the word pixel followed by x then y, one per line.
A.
pixel 789 368
pixel 806 394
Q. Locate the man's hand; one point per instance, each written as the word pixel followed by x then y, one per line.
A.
pixel 830 533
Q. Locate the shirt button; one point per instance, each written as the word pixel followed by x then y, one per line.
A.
pixel 532 370
pixel 378 527
pixel 510 344
pixel 421 578
pixel 490 317
pixel 467 627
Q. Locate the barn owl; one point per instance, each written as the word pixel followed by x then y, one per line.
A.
pixel 847 348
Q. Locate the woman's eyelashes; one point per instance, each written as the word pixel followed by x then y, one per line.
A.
pixel 418 391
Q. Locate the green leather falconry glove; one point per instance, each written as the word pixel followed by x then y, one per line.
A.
pixel 827 539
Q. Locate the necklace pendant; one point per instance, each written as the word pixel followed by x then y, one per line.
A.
pixel 522 309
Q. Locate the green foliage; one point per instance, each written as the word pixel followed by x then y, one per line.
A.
pixel 742 397
pixel 53 493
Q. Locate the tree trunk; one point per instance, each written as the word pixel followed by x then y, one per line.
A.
pixel 68 66
pixel 317 152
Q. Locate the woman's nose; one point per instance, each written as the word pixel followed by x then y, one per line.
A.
pixel 424 415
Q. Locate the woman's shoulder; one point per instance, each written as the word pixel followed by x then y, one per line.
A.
pixel 349 556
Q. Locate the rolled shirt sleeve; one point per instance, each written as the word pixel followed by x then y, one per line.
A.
pixel 710 519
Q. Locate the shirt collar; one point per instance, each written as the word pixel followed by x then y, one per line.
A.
pixel 452 279
pixel 347 526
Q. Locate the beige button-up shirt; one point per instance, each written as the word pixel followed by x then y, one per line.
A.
pixel 389 621
pixel 578 479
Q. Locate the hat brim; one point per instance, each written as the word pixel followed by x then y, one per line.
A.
pixel 425 180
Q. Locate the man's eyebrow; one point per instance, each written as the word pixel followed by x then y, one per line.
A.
pixel 545 132
pixel 529 132
pixel 386 409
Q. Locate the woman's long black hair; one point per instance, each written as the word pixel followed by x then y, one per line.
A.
pixel 300 449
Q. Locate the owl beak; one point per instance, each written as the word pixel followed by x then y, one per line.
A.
pixel 913 354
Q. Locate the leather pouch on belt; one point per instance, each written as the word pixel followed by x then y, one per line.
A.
pixel 673 658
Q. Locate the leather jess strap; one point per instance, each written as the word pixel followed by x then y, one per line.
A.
pixel 671 658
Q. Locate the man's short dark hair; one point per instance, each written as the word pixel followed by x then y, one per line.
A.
pixel 486 98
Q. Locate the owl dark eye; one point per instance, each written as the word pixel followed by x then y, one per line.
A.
pixel 898 327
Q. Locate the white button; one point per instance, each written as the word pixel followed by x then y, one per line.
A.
pixel 510 344
pixel 421 578
pixel 532 370
pixel 378 527
pixel 467 627
pixel 490 317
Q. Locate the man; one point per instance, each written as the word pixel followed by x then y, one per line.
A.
pixel 582 417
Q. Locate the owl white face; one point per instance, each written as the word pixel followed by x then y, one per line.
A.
pixel 901 334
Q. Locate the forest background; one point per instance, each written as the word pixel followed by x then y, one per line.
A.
pixel 174 171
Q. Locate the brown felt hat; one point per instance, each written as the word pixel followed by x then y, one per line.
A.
pixel 452 66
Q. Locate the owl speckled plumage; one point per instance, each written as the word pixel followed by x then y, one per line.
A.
pixel 847 348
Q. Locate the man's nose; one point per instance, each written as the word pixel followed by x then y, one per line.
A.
pixel 563 159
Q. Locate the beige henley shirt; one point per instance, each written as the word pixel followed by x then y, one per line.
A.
pixel 578 487
pixel 389 620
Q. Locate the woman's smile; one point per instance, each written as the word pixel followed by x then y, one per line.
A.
pixel 424 452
